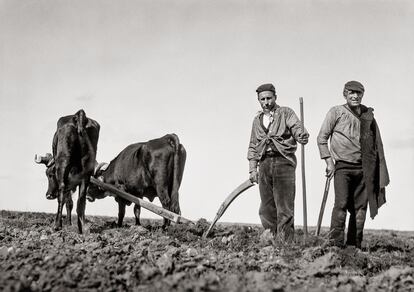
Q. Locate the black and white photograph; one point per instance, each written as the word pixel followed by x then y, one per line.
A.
pixel 223 145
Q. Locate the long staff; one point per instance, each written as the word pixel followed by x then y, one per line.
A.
pixel 305 213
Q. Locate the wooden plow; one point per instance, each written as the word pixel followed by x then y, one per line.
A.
pixel 322 210
pixel 230 198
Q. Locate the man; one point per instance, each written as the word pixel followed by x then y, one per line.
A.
pixel 272 161
pixel 356 160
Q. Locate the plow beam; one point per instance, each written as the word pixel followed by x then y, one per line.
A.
pixel 115 192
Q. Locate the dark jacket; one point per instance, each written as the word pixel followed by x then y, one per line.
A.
pixel 373 161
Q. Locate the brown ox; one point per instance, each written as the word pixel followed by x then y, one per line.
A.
pixel 72 163
pixel 150 169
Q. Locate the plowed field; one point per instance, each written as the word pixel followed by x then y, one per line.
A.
pixel 34 257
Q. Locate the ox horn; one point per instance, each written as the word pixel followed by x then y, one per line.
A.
pixel 51 162
pixel 100 166
pixel 47 159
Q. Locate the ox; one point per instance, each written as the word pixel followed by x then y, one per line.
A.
pixel 149 169
pixel 72 163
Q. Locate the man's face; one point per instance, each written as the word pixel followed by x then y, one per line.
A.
pixel 267 100
pixel 353 98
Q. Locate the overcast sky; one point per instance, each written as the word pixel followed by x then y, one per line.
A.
pixel 146 68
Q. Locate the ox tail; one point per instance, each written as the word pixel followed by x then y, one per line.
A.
pixel 81 121
pixel 180 156
pixel 88 151
pixel 88 155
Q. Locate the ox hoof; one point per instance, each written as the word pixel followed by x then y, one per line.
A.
pixel 51 197
pixel 57 228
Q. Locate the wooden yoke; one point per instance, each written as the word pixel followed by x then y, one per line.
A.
pixel 144 204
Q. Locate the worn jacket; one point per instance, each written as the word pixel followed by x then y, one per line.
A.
pixel 373 161
pixel 283 132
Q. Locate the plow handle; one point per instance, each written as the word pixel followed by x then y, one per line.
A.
pixel 230 198
pixel 325 197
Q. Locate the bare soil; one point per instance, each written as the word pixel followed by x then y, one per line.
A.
pixel 33 257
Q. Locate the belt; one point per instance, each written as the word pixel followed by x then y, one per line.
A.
pixel 271 153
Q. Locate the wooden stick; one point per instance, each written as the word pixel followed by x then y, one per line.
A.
pixel 321 211
pixel 305 213
pixel 144 204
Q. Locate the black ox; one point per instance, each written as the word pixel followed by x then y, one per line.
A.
pixel 72 163
pixel 150 169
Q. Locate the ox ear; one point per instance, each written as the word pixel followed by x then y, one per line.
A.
pixel 47 159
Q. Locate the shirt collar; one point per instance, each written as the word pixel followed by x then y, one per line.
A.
pixel 271 112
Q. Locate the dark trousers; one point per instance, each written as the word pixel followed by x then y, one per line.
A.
pixel 350 195
pixel 277 193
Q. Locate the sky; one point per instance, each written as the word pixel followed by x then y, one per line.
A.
pixel 146 68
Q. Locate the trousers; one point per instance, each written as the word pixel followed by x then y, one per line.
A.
pixel 351 196
pixel 277 193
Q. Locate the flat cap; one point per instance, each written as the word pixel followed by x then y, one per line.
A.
pixel 266 87
pixel 355 86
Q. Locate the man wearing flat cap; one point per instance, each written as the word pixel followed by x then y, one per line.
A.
pixel 272 161
pixel 356 160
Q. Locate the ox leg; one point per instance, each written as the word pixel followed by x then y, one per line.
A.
pixel 80 207
pixel 137 212
pixel 61 175
pixel 121 205
pixel 121 212
pixel 58 221
pixel 164 197
pixel 69 207
pixel 166 223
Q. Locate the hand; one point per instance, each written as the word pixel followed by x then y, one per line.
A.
pixel 254 176
pixel 330 167
pixel 330 171
pixel 303 138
